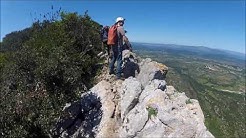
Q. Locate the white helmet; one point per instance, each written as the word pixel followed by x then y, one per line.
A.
pixel 119 19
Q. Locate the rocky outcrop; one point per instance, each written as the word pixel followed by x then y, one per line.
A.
pixel 164 113
pixel 142 105
pixel 80 118
pixel 130 64
pixel 151 70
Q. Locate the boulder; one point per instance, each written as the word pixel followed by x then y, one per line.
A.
pixel 130 66
pixel 164 113
pixel 150 70
pixel 79 118
pixel 131 90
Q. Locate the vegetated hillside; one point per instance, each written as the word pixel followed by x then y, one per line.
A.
pixel 219 87
pixel 42 68
pixel 14 40
pixel 223 56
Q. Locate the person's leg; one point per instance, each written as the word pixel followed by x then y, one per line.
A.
pixel 104 47
pixel 108 50
pixel 114 58
pixel 119 62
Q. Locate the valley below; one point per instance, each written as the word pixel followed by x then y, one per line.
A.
pixel 217 82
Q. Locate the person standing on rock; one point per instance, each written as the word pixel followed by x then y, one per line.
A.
pixel 116 39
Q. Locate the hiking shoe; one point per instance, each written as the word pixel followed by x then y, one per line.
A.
pixel 120 78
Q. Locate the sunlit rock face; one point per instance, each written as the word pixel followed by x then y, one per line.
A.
pixel 141 105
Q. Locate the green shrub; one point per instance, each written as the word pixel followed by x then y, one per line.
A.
pixel 188 101
pixel 151 111
pixel 52 67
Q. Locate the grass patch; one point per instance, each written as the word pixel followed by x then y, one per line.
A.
pixel 188 101
pixel 152 111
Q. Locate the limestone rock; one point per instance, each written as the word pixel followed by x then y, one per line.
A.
pixel 103 90
pixel 79 118
pixel 173 117
pixel 131 89
pixel 130 66
pixel 142 105
pixel 150 70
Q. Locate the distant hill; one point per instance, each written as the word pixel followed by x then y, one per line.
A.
pixel 198 51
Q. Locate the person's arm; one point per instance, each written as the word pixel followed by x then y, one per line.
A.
pixel 125 39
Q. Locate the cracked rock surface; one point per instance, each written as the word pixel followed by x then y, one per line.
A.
pixel 142 105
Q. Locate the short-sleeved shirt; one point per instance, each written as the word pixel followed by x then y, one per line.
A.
pixel 120 33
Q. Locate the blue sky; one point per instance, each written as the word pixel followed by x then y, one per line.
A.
pixel 215 24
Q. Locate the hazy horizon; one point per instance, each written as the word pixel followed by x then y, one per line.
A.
pixel 190 46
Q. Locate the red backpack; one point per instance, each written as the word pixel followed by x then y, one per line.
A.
pixel 112 35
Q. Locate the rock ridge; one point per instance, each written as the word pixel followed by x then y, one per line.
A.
pixel 142 105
